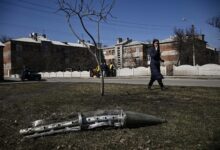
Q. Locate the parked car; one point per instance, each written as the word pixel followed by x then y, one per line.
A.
pixel 30 75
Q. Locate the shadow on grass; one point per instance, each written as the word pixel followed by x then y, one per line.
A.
pixel 8 81
pixel 141 92
pixel 18 81
pixel 215 144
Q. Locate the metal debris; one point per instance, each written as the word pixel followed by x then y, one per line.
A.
pixel 91 120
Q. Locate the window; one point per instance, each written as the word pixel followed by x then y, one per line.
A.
pixel 137 53
pixel 138 61
pixel 18 47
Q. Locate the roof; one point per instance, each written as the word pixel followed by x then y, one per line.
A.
pixel 211 48
pixel 120 41
pixel 1 44
pixel 135 43
pixel 126 43
pixel 58 43
pixel 31 40
pixel 42 39
pixel 170 39
pixel 39 40
pixel 75 44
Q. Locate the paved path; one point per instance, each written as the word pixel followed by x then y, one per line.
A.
pixel 202 81
pixel 169 81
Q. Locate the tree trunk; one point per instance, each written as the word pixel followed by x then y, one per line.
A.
pixel 102 84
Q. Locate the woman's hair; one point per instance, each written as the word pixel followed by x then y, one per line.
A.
pixel 156 40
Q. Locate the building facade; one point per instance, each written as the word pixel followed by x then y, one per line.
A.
pixel 203 54
pixel 1 62
pixel 126 53
pixel 41 54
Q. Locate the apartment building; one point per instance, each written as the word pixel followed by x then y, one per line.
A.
pixel 203 54
pixel 41 54
pixel 126 53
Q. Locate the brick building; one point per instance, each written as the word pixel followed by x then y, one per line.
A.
pixel 203 53
pixel 212 55
pixel 126 53
pixel 1 61
pixel 41 54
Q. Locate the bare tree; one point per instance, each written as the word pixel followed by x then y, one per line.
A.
pixel 179 42
pixel 191 47
pixel 5 38
pixel 94 11
pixel 215 22
pixel 186 43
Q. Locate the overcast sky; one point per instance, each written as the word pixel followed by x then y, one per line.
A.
pixel 140 20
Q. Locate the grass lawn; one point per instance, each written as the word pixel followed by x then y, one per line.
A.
pixel 193 115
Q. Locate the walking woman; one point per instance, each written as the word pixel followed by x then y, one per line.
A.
pixel 155 60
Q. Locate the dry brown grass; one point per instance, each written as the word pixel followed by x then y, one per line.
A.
pixel 193 116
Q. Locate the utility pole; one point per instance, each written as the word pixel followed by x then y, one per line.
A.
pixel 193 42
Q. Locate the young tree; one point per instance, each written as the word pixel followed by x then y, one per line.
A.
pixel 87 10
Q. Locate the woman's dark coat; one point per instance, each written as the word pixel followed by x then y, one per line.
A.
pixel 155 64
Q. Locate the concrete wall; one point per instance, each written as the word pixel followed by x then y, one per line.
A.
pixel 140 71
pixel 184 70
pixel 205 70
pixel 65 74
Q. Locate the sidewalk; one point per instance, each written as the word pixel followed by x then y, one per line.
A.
pixel 175 77
pixel 202 81
pixel 130 77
